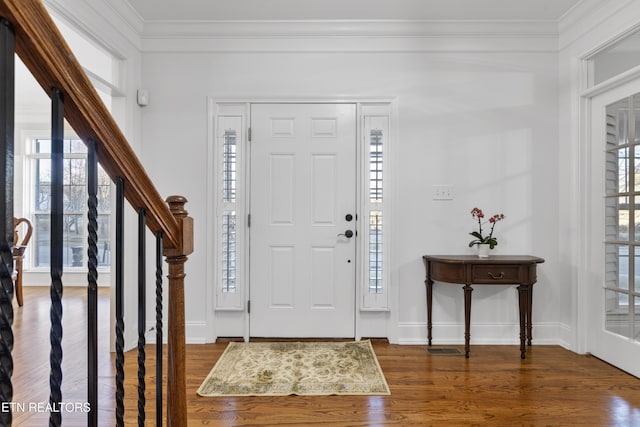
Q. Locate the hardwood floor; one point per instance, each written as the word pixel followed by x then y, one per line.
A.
pixel 31 357
pixel 552 387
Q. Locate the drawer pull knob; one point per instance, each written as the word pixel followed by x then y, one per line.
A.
pixel 498 277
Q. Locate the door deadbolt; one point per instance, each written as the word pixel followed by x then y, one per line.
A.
pixel 348 234
pixel 348 217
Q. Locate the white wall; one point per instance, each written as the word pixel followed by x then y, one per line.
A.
pixel 494 113
pixel 481 116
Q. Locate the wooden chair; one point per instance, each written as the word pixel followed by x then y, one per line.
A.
pixel 19 248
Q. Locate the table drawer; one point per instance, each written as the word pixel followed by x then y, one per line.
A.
pixel 488 274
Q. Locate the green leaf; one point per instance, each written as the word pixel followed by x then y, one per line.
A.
pixel 476 234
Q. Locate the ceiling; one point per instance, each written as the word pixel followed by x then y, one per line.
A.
pixel 275 10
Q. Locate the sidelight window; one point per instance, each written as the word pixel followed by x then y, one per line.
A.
pixel 376 132
pixel 229 212
pixel 375 166
pixel 229 251
pixel 229 160
pixel 229 166
pixel 375 252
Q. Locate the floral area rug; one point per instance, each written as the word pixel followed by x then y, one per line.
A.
pixel 301 368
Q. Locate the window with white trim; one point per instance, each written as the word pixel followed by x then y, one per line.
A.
pixel 229 137
pixel 622 216
pixel 75 205
pixel 376 138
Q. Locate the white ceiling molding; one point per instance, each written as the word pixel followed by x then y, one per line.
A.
pixel 354 28
pixel 358 35
pixel 347 35
pixel 587 15
pixel 128 13
pixel 118 16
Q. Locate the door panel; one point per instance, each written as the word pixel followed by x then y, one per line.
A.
pixel 303 184
pixel 614 329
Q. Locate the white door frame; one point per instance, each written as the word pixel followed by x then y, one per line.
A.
pixel 582 139
pixel 601 342
pixel 219 318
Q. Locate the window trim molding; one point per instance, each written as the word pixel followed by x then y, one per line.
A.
pixel 374 117
pixel 228 117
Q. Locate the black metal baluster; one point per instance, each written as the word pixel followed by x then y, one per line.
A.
pixel 119 247
pixel 159 328
pixel 92 278
pixel 7 102
pixel 56 261
pixel 142 301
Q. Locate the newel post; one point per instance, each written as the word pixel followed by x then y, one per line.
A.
pixel 176 352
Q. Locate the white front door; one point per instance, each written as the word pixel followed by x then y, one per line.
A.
pixel 303 188
pixel 614 327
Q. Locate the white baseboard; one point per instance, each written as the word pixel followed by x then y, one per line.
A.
pixel 544 333
pixel 73 278
pixel 195 332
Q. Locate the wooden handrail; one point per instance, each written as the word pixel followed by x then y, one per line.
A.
pixel 45 53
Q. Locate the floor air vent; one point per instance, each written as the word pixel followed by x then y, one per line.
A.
pixel 444 351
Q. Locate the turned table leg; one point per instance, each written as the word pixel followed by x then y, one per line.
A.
pixel 529 313
pixel 467 318
pixel 523 297
pixel 429 284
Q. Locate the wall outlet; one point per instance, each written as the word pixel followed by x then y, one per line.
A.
pixel 443 192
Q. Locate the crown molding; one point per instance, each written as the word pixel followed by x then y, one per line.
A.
pixel 119 22
pixel 129 14
pixel 581 20
pixel 353 28
pixel 307 35
pixel 349 35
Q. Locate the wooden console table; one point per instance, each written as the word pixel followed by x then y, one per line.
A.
pixel 495 270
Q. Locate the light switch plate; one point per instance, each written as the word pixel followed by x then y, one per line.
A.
pixel 443 192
